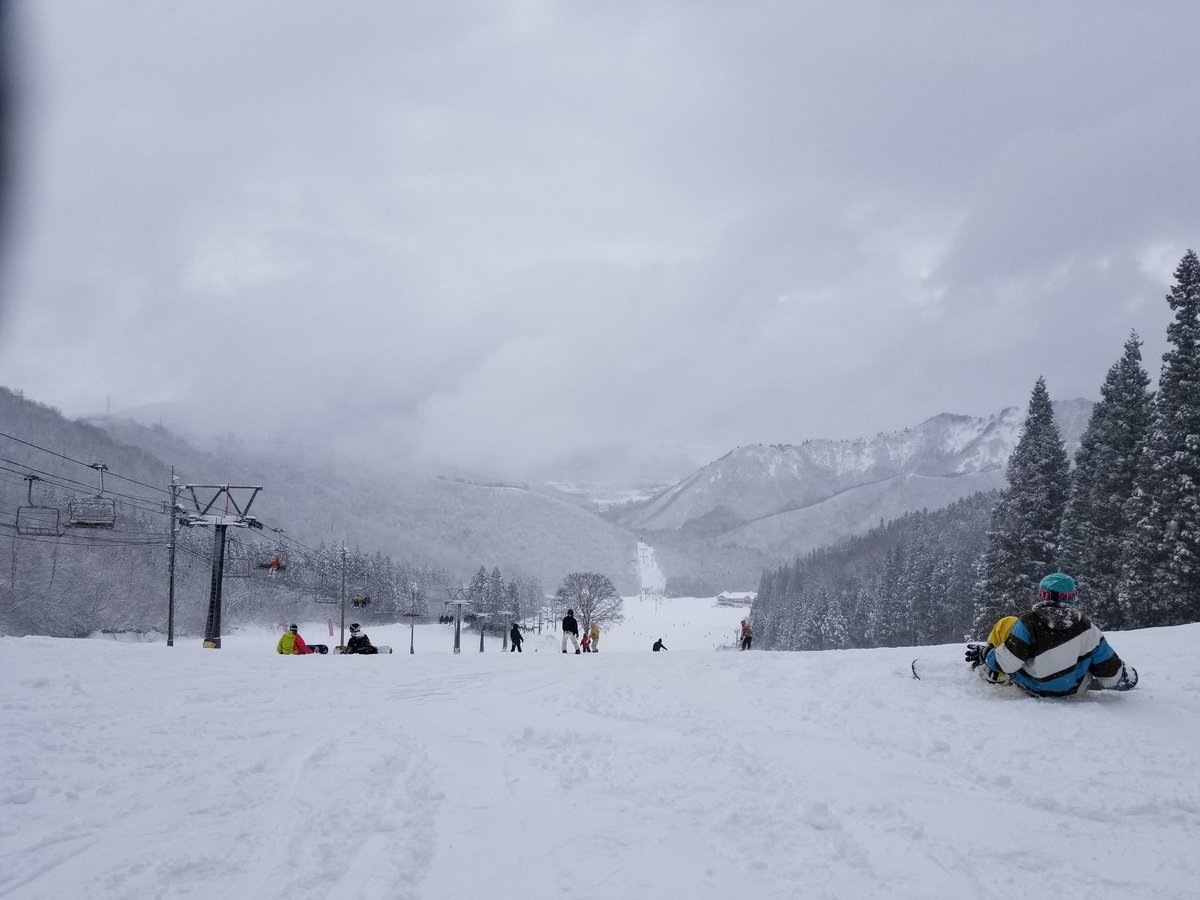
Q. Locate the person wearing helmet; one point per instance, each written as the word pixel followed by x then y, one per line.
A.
pixel 359 642
pixel 292 643
pixel 516 639
pixel 1053 650
pixel 570 629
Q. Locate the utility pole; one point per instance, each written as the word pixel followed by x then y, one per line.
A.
pixel 171 562
pixel 343 638
pixel 412 618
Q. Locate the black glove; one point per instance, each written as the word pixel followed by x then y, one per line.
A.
pixel 976 654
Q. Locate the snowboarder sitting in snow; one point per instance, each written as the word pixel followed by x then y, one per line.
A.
pixel 658 645
pixel 516 638
pixel 1051 651
pixel 359 642
pixel 571 630
pixel 747 634
pixel 291 642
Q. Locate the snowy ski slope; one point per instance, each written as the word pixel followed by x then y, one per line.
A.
pixel 134 770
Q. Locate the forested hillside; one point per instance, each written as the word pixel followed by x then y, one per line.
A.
pixel 909 581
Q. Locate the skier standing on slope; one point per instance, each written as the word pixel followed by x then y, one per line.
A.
pixel 747 634
pixel 1053 650
pixel 570 628
pixel 516 638
pixel 292 643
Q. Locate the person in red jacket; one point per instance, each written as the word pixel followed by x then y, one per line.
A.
pixel 291 642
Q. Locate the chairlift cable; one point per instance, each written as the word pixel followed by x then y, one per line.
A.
pixel 58 482
pixel 12 437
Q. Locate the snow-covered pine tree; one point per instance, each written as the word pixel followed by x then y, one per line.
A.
pixel 1023 537
pixel 1094 525
pixel 477 589
pixel 835 630
pixel 512 600
pixel 890 615
pixel 493 591
pixel 1160 580
pixel 917 588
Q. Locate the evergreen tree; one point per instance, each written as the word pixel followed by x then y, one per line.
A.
pixel 890 619
pixel 1160 583
pixel 835 630
pixel 477 590
pixel 1094 524
pixel 1023 538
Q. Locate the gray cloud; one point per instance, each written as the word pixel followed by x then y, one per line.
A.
pixel 497 234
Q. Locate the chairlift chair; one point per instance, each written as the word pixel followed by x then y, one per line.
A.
pixel 275 560
pixel 35 520
pixel 93 512
pixel 237 559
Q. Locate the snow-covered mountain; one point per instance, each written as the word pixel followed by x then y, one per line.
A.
pixel 834 488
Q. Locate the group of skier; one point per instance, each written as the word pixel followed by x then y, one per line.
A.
pixel 1053 650
pixel 589 643
pixel 292 643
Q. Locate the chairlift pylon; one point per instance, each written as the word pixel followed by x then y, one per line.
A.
pixel 35 520
pixel 93 512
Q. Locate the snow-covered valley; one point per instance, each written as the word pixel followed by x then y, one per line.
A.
pixel 136 770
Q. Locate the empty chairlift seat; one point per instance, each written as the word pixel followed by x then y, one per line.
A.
pixel 92 512
pixel 39 521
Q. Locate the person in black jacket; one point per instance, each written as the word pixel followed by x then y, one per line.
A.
pixel 570 629
pixel 517 640
pixel 658 645
pixel 359 642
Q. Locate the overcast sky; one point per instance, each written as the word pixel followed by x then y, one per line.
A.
pixel 497 233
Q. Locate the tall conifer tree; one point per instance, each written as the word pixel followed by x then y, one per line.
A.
pixel 1094 523
pixel 1160 583
pixel 1023 538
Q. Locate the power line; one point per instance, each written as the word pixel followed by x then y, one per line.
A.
pixel 12 437
pixel 81 488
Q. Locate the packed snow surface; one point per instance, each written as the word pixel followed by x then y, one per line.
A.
pixel 134 770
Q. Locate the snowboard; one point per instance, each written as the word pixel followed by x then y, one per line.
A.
pixel 922 669
pixel 318 648
pixel 379 648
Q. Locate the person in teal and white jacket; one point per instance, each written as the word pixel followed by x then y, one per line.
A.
pixel 1053 650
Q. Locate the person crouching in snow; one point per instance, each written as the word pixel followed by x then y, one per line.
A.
pixel 1053 650
pixel 291 642
pixel 570 629
pixel 516 639
pixel 359 642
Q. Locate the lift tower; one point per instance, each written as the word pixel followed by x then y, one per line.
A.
pixel 206 499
